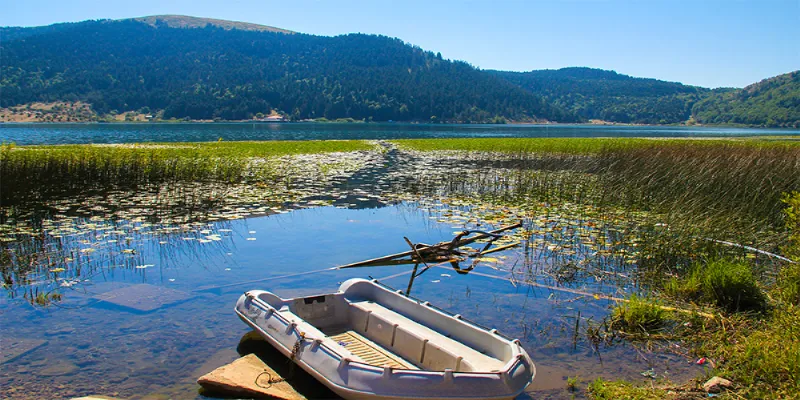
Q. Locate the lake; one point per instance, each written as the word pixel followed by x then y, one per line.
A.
pixel 103 297
pixel 23 134
pixel 148 308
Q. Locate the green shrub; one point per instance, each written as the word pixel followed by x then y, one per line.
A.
pixel 640 314
pixel 729 284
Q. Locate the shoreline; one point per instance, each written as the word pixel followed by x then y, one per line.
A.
pixel 357 122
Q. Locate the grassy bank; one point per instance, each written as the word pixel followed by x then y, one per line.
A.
pixel 40 172
pixel 693 192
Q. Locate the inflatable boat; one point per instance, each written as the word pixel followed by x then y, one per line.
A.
pixel 367 341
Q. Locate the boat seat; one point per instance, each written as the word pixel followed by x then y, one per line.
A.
pixel 312 333
pixel 381 330
pixel 417 343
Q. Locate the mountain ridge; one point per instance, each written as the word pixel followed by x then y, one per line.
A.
pixel 186 21
pixel 205 68
pixel 235 74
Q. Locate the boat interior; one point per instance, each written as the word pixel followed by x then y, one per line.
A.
pixel 375 326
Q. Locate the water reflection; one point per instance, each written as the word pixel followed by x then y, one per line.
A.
pixel 203 132
pixel 90 343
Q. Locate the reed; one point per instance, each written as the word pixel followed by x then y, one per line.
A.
pixel 721 189
pixel 729 284
pixel 29 173
pixel 639 314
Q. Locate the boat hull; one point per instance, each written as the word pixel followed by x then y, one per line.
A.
pixel 352 379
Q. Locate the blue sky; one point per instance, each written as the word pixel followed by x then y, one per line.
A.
pixel 709 43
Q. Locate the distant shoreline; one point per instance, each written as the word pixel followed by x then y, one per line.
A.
pixel 356 122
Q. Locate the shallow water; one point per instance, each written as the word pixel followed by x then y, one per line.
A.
pixel 25 134
pixel 89 346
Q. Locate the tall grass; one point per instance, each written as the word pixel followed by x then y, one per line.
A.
pixel 39 172
pixel 720 189
pixel 736 181
pixel 639 314
pixel 729 284
pixel 701 178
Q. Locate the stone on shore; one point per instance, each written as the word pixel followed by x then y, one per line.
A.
pixel 717 384
pixel 250 377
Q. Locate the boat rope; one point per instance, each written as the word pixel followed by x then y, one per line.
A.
pixel 753 249
pixel 270 379
pixel 295 351
pixel 596 296
pixel 207 288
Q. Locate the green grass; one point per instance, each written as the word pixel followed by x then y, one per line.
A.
pixel 601 389
pixel 30 172
pixel 728 284
pixel 639 314
pixel 577 145
pixel 523 145
pixel 760 355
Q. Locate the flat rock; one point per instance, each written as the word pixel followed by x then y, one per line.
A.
pixel 717 384
pixel 58 368
pixel 95 397
pixel 143 297
pixel 250 377
pixel 11 348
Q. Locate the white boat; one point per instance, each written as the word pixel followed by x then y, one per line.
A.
pixel 367 341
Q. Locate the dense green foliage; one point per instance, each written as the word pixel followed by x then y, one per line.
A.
pixel 212 69
pixel 609 96
pixel 772 102
pixel 212 72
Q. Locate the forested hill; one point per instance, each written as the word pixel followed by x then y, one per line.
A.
pixel 609 96
pixel 205 71
pixel 771 102
pixel 199 68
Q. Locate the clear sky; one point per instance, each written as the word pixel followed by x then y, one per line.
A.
pixel 709 43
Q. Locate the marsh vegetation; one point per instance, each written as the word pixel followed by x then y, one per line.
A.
pixel 714 220
pixel 688 241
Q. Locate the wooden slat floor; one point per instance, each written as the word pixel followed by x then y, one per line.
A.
pixel 369 351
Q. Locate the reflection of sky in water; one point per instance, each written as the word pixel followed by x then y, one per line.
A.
pixel 191 132
pixel 94 347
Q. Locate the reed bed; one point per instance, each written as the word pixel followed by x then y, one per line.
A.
pixel 689 195
pixel 729 182
pixel 36 173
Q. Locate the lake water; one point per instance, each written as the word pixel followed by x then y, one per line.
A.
pixel 203 132
pixel 136 346
pixel 146 306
